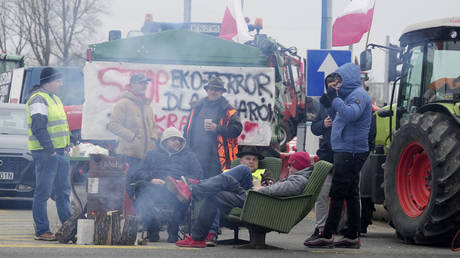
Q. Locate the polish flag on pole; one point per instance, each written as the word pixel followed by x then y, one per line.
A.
pixel 355 20
pixel 233 26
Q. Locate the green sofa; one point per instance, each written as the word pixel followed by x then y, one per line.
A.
pixel 264 213
pixel 272 163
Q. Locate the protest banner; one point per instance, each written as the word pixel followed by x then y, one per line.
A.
pixel 251 90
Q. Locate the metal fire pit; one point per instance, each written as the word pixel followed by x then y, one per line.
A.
pixel 106 184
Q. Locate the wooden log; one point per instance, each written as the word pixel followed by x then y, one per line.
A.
pixel 115 224
pixel 101 227
pixel 129 233
pixel 107 228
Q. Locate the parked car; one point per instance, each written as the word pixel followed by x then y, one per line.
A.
pixel 17 178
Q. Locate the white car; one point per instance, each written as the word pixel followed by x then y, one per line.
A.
pixel 17 177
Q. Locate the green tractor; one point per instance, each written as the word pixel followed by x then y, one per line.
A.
pixel 416 171
pixel 10 62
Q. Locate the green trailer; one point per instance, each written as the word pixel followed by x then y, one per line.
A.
pixel 181 47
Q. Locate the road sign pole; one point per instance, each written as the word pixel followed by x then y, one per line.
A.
pixel 187 10
pixel 326 24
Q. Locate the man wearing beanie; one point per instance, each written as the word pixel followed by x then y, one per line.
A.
pixel 49 137
pixel 225 192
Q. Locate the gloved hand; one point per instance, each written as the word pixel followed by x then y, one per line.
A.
pixel 332 93
pixel 325 101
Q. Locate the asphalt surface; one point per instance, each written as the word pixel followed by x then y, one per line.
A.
pixel 16 240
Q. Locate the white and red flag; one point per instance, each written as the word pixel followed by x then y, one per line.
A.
pixel 234 27
pixel 355 20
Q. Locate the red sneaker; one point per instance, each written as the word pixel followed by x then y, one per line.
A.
pixel 189 242
pixel 180 189
pixel 211 240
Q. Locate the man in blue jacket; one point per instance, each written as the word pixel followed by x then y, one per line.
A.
pixel 349 141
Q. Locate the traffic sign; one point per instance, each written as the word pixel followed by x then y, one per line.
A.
pixel 320 63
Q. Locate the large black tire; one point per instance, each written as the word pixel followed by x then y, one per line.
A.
pixel 286 132
pixel 422 177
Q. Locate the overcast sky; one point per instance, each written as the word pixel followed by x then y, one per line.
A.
pixel 291 22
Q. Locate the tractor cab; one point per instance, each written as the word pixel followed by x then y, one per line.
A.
pixel 430 72
pixel 429 53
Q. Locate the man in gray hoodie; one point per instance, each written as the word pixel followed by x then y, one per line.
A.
pixel 224 192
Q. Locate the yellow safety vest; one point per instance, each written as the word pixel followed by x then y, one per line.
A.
pixel 256 175
pixel 57 126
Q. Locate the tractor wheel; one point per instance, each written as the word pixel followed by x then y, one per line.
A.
pixel 286 132
pixel 422 176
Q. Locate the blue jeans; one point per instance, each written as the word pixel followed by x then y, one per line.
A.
pixel 51 174
pixel 134 165
pixel 242 174
pixel 215 223
pixel 224 192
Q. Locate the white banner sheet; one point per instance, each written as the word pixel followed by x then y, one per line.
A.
pixel 173 87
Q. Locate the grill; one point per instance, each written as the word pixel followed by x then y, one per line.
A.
pixel 106 184
pixel 15 165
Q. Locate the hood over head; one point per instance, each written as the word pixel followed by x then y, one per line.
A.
pixel 351 78
pixel 169 133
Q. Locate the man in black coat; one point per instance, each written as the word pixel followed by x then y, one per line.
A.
pixel 321 126
pixel 151 197
pixel 213 128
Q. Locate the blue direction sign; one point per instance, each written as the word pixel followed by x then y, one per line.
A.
pixel 320 63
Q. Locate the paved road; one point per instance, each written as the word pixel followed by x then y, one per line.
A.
pixel 16 240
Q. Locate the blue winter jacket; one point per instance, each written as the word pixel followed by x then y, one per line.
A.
pixel 353 107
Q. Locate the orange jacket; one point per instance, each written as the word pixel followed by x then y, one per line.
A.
pixel 228 130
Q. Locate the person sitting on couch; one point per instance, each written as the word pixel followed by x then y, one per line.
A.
pixel 226 191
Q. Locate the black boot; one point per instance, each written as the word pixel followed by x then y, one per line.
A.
pixel 173 230
pixel 153 230
pixel 153 235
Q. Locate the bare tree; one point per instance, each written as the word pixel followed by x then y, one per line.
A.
pixel 3 25
pixel 11 35
pixel 77 20
pixel 55 30
pixel 35 18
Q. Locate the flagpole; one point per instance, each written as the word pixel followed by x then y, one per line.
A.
pixel 367 38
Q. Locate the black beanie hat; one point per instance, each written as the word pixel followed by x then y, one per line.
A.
pixel 49 74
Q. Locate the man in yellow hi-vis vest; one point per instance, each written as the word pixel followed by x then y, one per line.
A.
pixel 48 139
